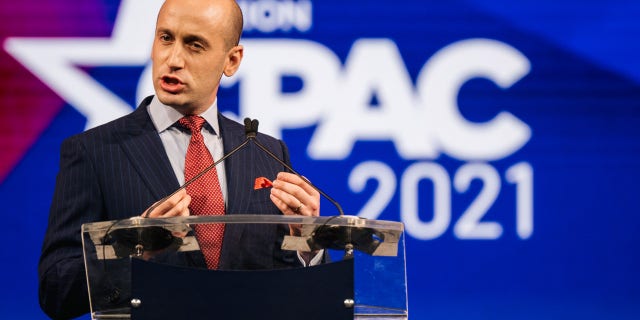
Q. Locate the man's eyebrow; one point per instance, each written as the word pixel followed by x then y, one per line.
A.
pixel 193 37
pixel 163 30
pixel 187 38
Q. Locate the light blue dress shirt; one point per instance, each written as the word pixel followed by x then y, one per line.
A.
pixel 175 139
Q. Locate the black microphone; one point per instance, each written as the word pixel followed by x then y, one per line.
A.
pixel 251 130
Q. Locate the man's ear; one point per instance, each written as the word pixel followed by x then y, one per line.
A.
pixel 234 57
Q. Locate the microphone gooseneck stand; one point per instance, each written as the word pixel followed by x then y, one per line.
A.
pixel 136 241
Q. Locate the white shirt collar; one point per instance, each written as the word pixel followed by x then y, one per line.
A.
pixel 163 116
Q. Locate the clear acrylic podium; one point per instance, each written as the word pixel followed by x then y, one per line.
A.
pixel 366 278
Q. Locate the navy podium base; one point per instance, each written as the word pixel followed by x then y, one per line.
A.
pixel 173 292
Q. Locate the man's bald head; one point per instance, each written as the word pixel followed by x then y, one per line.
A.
pixel 231 15
pixel 236 24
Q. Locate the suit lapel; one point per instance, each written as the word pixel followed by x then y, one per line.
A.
pixel 142 145
pixel 232 136
pixel 236 166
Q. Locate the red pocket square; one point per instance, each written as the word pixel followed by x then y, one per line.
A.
pixel 262 182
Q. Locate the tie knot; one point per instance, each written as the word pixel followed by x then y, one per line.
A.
pixel 193 123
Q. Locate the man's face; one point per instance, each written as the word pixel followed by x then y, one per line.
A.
pixel 190 54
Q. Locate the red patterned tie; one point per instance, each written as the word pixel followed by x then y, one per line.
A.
pixel 206 196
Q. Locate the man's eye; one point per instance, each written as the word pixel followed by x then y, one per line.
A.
pixel 196 46
pixel 165 37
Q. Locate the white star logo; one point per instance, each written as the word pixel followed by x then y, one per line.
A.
pixel 54 60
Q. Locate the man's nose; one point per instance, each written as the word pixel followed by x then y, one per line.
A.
pixel 176 59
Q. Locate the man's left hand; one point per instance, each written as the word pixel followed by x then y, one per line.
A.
pixel 293 196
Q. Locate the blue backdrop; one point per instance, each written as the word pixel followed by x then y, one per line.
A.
pixel 505 135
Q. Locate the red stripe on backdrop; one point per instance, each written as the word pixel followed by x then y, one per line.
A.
pixel 28 106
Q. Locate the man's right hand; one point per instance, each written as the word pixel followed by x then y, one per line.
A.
pixel 174 206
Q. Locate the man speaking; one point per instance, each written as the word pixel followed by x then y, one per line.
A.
pixel 120 169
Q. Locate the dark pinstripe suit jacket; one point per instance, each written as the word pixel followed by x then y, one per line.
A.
pixel 116 171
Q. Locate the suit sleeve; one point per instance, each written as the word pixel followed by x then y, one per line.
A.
pixel 77 199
